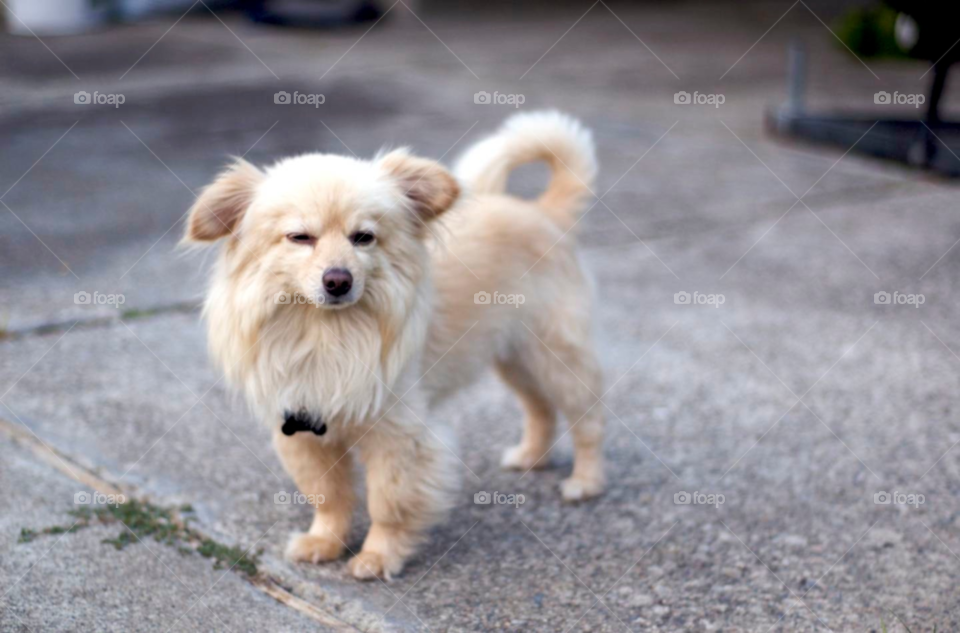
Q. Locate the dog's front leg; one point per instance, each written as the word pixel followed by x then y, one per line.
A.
pixel 323 472
pixel 412 480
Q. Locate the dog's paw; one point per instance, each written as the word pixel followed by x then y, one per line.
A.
pixel 581 488
pixel 308 548
pixel 371 565
pixel 520 457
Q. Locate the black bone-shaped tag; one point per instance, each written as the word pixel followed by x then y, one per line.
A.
pixel 302 421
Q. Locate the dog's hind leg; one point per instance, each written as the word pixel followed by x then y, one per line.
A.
pixel 563 360
pixel 584 412
pixel 540 417
pixel 323 473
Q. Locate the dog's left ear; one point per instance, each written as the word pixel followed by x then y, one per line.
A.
pixel 218 209
pixel 429 187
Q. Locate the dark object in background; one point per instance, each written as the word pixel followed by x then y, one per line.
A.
pixel 937 34
pixel 871 32
pixel 312 14
pixel 924 30
pixel 938 28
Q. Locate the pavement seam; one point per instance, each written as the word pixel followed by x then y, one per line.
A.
pixel 184 307
pixel 264 582
pixel 54 327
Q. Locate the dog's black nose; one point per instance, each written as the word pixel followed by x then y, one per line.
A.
pixel 337 281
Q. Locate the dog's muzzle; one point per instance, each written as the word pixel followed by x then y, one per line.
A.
pixel 302 421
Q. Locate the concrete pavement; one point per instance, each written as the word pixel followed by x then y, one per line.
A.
pixel 797 399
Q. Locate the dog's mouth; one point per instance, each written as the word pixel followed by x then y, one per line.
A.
pixel 319 301
pixel 336 303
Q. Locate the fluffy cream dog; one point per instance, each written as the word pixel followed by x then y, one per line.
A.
pixel 357 294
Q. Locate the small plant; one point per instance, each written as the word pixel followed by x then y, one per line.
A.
pixel 130 315
pixel 870 32
pixel 141 519
pixel 27 535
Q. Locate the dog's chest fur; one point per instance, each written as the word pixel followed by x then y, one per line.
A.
pixel 346 367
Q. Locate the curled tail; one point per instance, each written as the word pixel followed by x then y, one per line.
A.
pixel 549 136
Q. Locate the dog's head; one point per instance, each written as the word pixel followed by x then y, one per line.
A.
pixel 324 229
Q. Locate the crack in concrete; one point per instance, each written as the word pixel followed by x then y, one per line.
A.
pixel 62 462
pixel 56 327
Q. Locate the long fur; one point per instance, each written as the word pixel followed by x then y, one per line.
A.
pixel 553 137
pixel 411 330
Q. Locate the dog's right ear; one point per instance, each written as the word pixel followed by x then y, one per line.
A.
pixel 429 188
pixel 222 203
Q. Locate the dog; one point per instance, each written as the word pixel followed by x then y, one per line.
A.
pixel 351 296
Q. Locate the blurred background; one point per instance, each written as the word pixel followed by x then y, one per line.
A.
pixel 170 99
pixel 796 159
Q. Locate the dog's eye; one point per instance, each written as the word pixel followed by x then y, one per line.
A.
pixel 361 238
pixel 300 238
